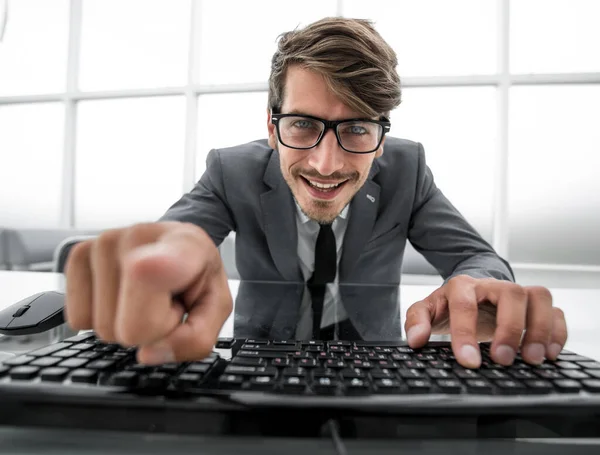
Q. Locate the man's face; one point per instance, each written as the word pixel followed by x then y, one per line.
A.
pixel 307 93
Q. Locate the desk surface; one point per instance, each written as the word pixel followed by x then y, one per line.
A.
pixel 581 306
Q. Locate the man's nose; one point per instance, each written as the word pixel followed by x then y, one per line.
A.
pixel 328 156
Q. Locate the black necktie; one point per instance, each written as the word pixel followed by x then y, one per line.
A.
pixel 325 270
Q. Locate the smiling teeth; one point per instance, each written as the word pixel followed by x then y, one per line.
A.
pixel 323 185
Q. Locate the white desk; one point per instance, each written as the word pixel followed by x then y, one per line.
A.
pixel 581 306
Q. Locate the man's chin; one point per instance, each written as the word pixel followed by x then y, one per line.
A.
pixel 323 212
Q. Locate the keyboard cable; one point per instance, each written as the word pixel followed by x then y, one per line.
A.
pixel 333 427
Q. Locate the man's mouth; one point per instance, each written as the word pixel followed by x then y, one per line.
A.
pixel 323 190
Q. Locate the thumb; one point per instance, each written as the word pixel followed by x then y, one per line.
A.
pixel 418 323
pixel 194 338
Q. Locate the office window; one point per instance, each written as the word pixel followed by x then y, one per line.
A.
pixel 435 37
pixel 33 53
pixel 457 129
pixel 134 44
pixel 554 186
pixel 228 120
pixel 129 161
pixel 31 145
pixel 238 38
pixel 554 36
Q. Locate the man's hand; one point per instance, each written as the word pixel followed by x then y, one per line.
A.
pixel 122 284
pixel 474 310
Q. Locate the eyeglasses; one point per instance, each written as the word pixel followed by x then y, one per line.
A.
pixel 304 132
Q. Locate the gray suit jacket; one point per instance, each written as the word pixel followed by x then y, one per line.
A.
pixel 243 190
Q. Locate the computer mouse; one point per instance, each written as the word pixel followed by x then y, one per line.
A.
pixel 35 314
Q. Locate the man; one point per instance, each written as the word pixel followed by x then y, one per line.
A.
pixel 327 179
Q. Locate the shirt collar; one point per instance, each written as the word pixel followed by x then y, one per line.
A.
pixel 305 219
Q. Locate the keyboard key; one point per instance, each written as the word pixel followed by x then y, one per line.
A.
pixel 257 341
pixel 567 385
pixel 325 386
pixel 24 372
pixel 405 350
pixel 281 362
pixel 91 355
pixel 294 371
pixel 48 350
pixel 439 374
pixel 198 368
pixel 248 361
pixel 56 374
pixel 449 385
pixel 352 373
pixel 382 373
pixel 251 371
pixel 364 364
pixel 84 376
pixel 418 385
pixel 171 368
pixel 335 364
pixel 188 380
pixel 589 365
pixel 357 386
pixel 18 361
pixel 224 343
pixel 338 343
pixel 324 373
pixel 510 387
pixel 66 353
pixel 592 385
pixel 82 346
pixel 539 386
pixel 400 357
pixel 464 373
pixel 575 374
pixel 101 365
pixel 416 364
pixel 573 358
pixel 264 383
pixel 494 374
pixel 125 379
pixel 156 380
pixel 46 361
pixel 387 385
pixel 212 358
pixel 87 336
pixel 308 363
pixel 440 365
pixel 73 363
pixel 522 374
pixel 549 374
pixel 424 357
pixel 293 384
pixel 411 374
pixel 567 365
pixel 479 386
pixel 593 373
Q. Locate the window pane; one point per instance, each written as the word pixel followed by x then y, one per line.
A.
pixel 227 120
pixel 553 36
pixel 33 53
pixel 434 37
pixel 238 38
pixel 554 186
pixel 31 151
pixel 134 44
pixel 129 165
pixel 457 129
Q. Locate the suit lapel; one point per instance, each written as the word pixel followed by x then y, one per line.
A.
pixel 363 212
pixel 279 222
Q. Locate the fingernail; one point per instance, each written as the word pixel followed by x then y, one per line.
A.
pixel 554 350
pixel 505 355
pixel 470 355
pixel 534 352
pixel 159 354
pixel 415 332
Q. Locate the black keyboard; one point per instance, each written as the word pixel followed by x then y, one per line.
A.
pixel 312 368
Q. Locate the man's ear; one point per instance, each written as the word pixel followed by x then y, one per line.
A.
pixel 272 133
pixel 379 151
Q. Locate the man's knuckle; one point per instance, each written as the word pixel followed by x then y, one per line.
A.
pixel 540 293
pixel 516 292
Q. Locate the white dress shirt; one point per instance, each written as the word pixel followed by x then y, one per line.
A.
pixel 333 311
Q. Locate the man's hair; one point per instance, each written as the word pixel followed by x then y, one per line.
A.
pixel 358 65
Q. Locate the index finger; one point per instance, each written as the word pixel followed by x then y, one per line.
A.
pixel 462 307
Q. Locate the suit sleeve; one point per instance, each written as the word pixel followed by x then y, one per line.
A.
pixel 206 204
pixel 440 233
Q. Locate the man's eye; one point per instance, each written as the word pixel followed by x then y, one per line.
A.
pixel 303 124
pixel 356 129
